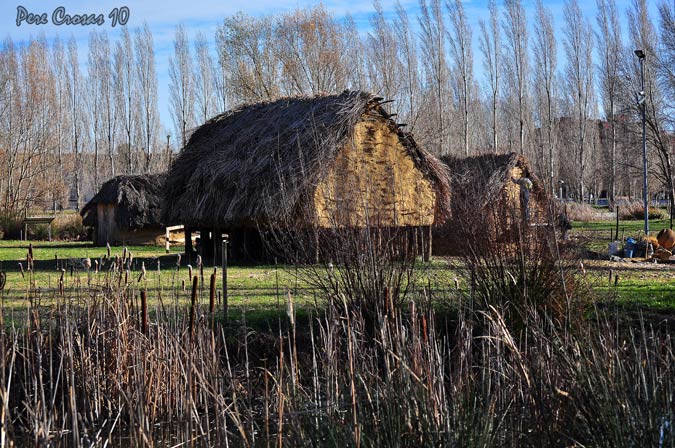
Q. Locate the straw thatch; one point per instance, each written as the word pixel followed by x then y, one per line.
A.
pixel 261 162
pixel 137 201
pixel 486 201
pixel 487 175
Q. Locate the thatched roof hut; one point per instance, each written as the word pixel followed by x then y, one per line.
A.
pixel 486 198
pixel 321 162
pixel 126 209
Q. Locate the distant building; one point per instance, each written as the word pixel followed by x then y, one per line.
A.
pixel 127 210
pixel 486 200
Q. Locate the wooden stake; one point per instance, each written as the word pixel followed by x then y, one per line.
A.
pixel 224 259
pixel 144 312
pixel 212 294
pixel 193 306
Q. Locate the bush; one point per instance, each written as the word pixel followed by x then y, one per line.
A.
pixel 68 226
pixel 584 212
pixel 38 232
pixel 10 227
pixel 636 210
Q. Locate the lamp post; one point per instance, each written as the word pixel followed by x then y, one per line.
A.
pixel 641 102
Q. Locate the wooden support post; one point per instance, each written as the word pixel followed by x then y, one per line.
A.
pixel 188 240
pixel 224 268
pixel 427 252
pixel 167 243
pixel 49 231
pixel 316 246
pixel 215 246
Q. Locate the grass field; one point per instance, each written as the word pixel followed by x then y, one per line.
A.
pixel 262 290
pixel 46 250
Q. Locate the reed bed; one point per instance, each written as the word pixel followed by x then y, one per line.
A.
pixel 97 368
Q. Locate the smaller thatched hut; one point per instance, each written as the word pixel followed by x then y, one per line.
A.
pixel 127 209
pixel 486 200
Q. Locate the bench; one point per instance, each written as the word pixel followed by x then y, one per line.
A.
pixel 37 220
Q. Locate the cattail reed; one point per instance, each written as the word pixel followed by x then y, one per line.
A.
pixel 61 281
pixel 144 312
pixel 193 306
pixel 189 267
pixel 21 269
pixel 212 294
pixel 143 272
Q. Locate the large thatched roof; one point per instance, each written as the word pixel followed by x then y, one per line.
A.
pixel 254 163
pixel 486 175
pixel 137 201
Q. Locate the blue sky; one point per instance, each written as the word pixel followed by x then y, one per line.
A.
pixel 205 15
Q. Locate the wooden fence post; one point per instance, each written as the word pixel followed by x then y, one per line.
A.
pixel 144 312
pixel 224 259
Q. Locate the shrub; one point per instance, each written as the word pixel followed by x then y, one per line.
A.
pixel 10 227
pixel 68 226
pixel 584 212
pixel 636 210
pixel 38 232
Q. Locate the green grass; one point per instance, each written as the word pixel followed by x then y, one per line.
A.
pixel 254 290
pixel 627 225
pixel 11 250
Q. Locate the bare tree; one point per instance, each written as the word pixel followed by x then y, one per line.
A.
pixel 491 47
pixel 579 85
pixel 109 116
pixel 309 46
pixel 61 122
pixel 26 127
pixel 181 86
pixel 76 103
pixel 126 100
pixel 460 36
pixel 643 36
pixel 407 49
pixel 545 67
pixel 246 52
pixel 517 63
pixel 666 73
pixel 436 72
pixel 382 55
pixel 146 82
pixel 95 73
pixel 354 60
pixel 609 50
pixel 205 84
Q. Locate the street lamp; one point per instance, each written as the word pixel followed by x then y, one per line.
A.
pixel 641 102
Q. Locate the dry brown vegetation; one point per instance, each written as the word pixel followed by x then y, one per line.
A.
pixel 514 359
